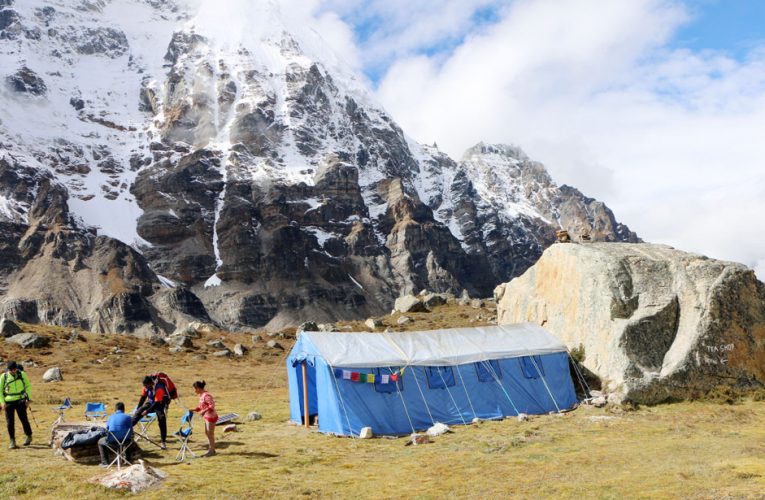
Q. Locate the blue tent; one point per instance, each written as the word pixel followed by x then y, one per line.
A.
pixel 398 383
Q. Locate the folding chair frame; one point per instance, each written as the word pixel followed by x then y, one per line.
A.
pixel 184 435
pixel 66 405
pixel 121 451
pixel 144 423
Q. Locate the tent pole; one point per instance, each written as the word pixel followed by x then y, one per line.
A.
pixel 306 418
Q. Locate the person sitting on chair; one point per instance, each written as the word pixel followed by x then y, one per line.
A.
pixel 119 426
pixel 156 399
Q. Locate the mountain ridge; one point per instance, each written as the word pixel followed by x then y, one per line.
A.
pixel 256 185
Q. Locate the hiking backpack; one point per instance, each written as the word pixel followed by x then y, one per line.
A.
pixel 165 379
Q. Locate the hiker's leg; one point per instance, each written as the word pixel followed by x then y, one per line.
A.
pixel 138 415
pixel 102 449
pixel 162 422
pixel 210 429
pixel 21 409
pixel 10 420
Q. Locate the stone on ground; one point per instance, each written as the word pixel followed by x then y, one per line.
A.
pixel 437 429
pixel 434 300
pixel 272 344
pixel 403 320
pixel 366 433
pixel 224 353
pixel 253 415
pixel 409 303
pixel 308 326
pixel 216 344
pixel 373 324
pixel 239 350
pixel 53 375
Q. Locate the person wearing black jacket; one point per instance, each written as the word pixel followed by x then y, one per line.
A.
pixel 154 399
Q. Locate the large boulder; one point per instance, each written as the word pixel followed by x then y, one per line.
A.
pixel 655 323
pixel 27 340
pixel 409 303
pixel 8 328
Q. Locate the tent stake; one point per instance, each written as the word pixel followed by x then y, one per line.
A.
pixel 305 396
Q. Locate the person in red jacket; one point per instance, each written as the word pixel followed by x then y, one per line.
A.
pixel 154 399
pixel 207 409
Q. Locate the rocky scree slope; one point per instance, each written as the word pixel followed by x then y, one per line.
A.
pixel 252 180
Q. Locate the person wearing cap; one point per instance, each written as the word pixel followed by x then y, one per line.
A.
pixel 15 394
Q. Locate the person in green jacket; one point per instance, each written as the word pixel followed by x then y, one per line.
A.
pixel 15 394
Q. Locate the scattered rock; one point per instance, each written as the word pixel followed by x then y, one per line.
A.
pixel 409 303
pixel 522 417
pixel 308 326
pixel 253 416
pixel 179 341
pixel 434 300
pixel 327 327
pixel 366 433
pixel 599 402
pixel 29 340
pixel 53 375
pixel 476 420
pixel 116 350
pixel 157 340
pixel 230 428
pixel 476 303
pixel 275 335
pixel 188 331
pixel 416 439
pixel 437 429
pixel 373 323
pixel 29 364
pixel 239 350
pixel 272 344
pixel 222 354
pixel 74 337
pixel 8 328
pixel 256 339
pixel 403 320
pixel 216 344
pixel 176 350
pixel 200 357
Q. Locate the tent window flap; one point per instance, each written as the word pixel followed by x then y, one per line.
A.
pixel 532 366
pixel 440 377
pixel 488 371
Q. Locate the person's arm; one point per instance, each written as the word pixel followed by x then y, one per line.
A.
pixel 27 386
pixel 2 390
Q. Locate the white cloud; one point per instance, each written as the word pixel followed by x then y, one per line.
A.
pixel 670 139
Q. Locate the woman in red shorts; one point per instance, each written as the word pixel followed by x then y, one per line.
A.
pixel 207 409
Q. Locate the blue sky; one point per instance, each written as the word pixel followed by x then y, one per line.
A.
pixel 734 26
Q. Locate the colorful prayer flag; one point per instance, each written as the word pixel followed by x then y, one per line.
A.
pixel 355 376
pixel 338 373
pixel 362 377
pixel 371 378
pixel 346 375
pixel 386 379
pixel 394 377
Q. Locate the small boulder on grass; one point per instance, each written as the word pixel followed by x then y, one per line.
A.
pixel 366 433
pixel 253 416
pixel 239 350
pixel 8 328
pixel 53 375
pixel 373 324
pixel 272 344
pixel 403 320
pixel 409 303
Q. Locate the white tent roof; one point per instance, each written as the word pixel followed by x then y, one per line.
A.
pixel 455 346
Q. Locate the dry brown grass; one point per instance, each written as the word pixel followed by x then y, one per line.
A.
pixel 698 449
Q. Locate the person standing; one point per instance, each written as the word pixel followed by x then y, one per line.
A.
pixel 207 409
pixel 120 428
pixel 154 399
pixel 15 395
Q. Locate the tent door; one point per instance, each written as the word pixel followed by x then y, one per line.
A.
pixel 313 403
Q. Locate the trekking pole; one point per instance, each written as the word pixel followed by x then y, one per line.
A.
pixel 31 412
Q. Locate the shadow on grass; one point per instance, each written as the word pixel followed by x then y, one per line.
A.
pixel 250 454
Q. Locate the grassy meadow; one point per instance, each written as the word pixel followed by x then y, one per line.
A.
pixel 690 450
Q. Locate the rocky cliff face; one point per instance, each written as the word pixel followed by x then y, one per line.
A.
pixel 253 180
pixel 655 323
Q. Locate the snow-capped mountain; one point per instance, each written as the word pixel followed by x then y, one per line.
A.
pixel 186 161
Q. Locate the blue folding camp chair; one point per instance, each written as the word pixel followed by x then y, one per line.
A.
pixel 143 430
pixel 60 409
pixel 95 411
pixel 184 434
